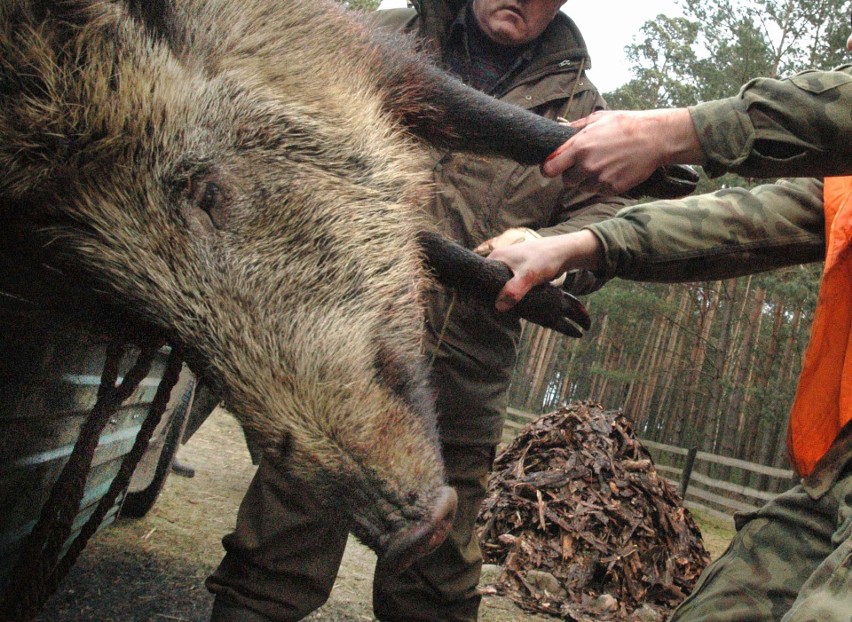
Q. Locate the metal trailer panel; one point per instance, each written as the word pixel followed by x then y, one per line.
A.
pixel 50 368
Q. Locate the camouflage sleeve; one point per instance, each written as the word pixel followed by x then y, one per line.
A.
pixel 729 233
pixel 797 127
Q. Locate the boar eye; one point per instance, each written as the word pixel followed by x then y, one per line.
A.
pixel 210 197
pixel 203 200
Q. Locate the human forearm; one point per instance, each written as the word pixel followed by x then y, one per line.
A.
pixel 615 151
pixel 584 209
pixel 720 235
pixel 797 127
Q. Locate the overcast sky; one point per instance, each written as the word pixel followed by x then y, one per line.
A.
pixel 606 31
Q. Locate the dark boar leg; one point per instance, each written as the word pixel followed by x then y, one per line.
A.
pixel 444 111
pixel 455 266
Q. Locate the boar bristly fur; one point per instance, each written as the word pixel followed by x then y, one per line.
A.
pixel 226 187
pixel 248 177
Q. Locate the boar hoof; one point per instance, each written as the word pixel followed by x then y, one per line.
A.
pixel 421 539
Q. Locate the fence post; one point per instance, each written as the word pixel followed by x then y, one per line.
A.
pixel 687 471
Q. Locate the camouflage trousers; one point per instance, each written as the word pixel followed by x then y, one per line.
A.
pixel 791 561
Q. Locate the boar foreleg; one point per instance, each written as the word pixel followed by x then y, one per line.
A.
pixel 443 111
pixel 457 267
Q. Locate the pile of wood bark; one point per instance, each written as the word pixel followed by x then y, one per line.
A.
pixel 582 524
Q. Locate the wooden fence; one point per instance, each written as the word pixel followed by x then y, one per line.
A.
pixel 715 485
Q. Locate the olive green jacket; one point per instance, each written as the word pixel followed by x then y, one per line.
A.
pixel 479 197
pixel 800 126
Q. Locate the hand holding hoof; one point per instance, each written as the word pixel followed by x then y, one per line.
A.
pixel 546 305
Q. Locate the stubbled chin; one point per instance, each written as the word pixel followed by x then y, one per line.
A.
pixel 509 30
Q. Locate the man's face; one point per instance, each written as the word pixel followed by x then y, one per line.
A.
pixel 515 22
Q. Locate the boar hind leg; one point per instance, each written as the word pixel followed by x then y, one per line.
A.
pixel 443 111
pixel 455 266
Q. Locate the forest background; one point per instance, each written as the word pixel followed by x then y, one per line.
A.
pixel 711 365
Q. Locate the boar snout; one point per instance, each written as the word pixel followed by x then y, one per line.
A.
pixel 421 538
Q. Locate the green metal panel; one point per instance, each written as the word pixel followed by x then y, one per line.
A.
pixel 50 368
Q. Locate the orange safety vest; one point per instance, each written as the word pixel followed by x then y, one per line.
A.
pixel 823 402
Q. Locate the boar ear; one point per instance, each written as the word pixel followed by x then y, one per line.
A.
pixel 154 15
pixel 41 126
pixel 33 128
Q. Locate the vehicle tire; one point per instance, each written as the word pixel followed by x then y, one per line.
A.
pixel 137 504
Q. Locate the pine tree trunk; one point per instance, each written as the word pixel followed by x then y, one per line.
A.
pixel 712 415
pixel 734 427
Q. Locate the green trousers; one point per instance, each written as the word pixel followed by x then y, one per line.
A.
pixel 281 562
pixel 791 561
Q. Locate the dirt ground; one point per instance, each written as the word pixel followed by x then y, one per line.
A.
pixel 153 569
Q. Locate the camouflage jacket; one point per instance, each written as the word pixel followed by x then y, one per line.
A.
pixel 800 127
pixel 479 197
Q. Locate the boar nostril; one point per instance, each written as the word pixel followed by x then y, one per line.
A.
pixel 445 513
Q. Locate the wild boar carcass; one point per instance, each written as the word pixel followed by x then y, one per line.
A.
pixel 248 176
